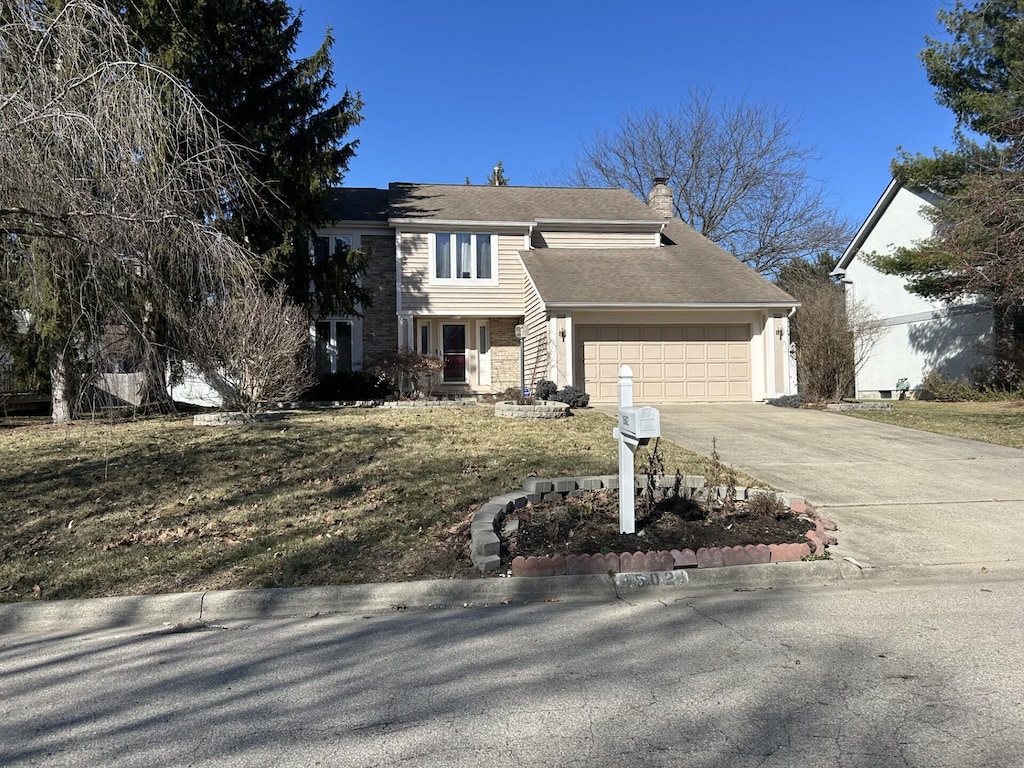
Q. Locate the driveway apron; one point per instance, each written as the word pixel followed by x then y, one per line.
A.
pixel 900 496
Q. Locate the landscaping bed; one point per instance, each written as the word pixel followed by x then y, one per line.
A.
pixel 589 524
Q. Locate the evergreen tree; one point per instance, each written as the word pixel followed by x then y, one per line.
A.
pixel 237 57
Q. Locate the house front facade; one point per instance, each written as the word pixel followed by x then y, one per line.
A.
pixel 511 285
pixel 919 335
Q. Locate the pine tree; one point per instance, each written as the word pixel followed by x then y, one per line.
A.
pixel 237 56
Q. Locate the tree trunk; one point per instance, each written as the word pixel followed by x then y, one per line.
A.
pixel 62 386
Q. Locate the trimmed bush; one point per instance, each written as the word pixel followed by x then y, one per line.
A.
pixel 573 396
pixel 545 390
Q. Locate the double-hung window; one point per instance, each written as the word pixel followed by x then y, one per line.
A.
pixel 463 256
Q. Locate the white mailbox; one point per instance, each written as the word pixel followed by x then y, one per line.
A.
pixel 640 423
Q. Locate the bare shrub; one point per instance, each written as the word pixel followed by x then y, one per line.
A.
pixel 409 374
pixel 257 348
pixel 834 338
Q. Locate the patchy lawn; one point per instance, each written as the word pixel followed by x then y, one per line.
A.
pixel 999 422
pixel 319 497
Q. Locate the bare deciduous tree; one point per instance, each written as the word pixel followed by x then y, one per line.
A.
pixel 738 174
pixel 254 347
pixel 833 337
pixel 111 177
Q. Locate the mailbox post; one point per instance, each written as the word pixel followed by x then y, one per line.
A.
pixel 636 427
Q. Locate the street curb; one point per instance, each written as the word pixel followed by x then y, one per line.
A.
pixel 75 616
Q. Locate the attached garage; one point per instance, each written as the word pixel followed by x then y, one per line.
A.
pixel 671 363
pixel 694 323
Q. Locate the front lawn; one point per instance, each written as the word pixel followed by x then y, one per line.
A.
pixel 320 497
pixel 999 422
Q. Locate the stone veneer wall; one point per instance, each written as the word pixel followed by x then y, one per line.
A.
pixel 380 321
pixel 504 353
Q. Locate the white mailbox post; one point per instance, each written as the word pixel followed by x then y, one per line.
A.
pixel 636 427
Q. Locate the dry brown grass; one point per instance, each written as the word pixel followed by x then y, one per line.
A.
pixel 999 422
pixel 330 497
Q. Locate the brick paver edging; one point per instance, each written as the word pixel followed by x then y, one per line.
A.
pixel 485 546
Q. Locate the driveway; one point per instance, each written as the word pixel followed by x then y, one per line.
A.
pixel 900 496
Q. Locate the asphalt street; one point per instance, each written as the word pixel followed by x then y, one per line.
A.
pixel 858 674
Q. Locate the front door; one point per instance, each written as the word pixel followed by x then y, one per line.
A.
pixel 453 347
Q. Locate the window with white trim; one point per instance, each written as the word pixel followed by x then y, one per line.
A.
pixel 463 256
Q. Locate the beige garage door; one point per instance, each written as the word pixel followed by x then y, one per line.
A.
pixel 671 363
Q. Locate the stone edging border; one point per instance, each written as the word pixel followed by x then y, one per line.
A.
pixel 485 544
pixel 543 409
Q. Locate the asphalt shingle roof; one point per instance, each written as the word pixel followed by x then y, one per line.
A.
pixel 691 271
pixel 451 202
pixel 357 204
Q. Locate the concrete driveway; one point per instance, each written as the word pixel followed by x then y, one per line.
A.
pixel 900 496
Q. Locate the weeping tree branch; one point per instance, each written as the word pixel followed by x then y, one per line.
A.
pixel 113 180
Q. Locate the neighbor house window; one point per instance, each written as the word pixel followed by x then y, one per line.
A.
pixel 463 256
pixel 321 249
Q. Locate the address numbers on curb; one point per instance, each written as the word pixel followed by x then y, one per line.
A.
pixel 652 579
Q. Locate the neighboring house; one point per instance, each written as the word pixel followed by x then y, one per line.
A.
pixel 590 279
pixel 919 335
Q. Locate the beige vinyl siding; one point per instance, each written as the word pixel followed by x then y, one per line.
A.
pixel 535 322
pixel 595 239
pixel 464 298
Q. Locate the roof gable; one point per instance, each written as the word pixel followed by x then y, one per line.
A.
pixel 878 211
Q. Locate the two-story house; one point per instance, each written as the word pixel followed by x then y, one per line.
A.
pixel 567 284
pixel 919 335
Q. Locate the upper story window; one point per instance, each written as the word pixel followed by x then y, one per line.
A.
pixel 322 247
pixel 463 256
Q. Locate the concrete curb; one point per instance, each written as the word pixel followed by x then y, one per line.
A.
pixel 156 611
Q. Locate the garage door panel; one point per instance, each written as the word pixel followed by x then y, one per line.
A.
pixel 651 372
pixel 674 363
pixel 718 371
pixel 739 371
pixel 718 390
pixel 652 333
pixel 653 391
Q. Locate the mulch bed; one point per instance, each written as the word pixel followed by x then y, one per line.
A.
pixel 589 524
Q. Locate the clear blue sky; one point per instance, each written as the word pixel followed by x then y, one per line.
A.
pixel 452 86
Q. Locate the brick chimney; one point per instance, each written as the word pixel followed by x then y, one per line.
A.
pixel 660 197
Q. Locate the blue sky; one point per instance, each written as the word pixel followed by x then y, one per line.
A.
pixel 450 86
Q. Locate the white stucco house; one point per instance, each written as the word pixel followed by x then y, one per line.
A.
pixel 919 335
